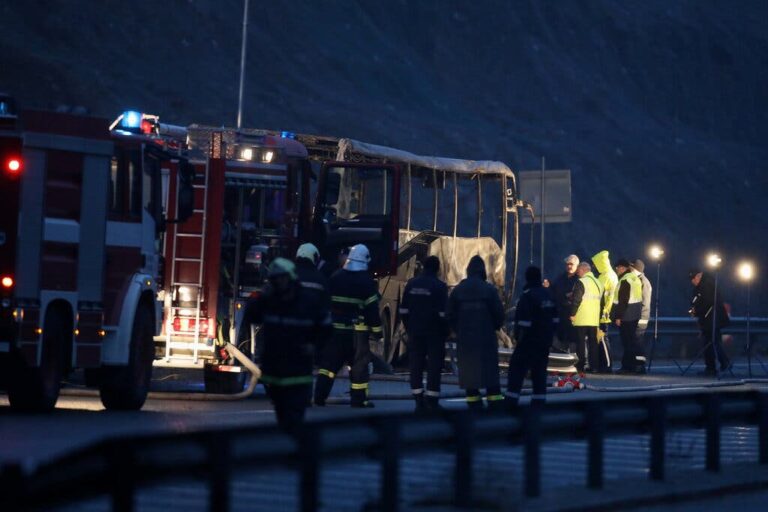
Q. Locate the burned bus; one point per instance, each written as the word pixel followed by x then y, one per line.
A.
pixel 406 207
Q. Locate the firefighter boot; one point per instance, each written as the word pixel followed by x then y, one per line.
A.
pixel 421 403
pixel 358 396
pixel 432 403
pixel 323 385
pixel 496 403
pixel 474 402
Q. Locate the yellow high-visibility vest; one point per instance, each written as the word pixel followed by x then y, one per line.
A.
pixel 588 314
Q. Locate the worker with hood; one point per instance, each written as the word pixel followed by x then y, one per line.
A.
pixel 422 311
pixel 609 281
pixel 292 320
pixel 535 321
pixel 475 313
pixel 355 313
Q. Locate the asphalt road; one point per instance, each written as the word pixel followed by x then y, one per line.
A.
pixel 80 420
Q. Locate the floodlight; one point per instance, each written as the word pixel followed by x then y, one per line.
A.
pixel 746 271
pixel 714 260
pixel 655 252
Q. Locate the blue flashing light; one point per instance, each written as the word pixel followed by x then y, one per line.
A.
pixel 131 119
pixel 287 135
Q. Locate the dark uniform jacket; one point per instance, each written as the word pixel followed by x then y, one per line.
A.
pixel 312 279
pixel 423 307
pixel 535 317
pixel 354 302
pixel 703 301
pixel 290 330
pixel 475 313
pixel 561 287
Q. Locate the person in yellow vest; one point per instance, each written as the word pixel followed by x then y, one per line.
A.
pixel 627 307
pixel 610 282
pixel 586 306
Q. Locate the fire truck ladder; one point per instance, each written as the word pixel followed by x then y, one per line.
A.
pixel 169 344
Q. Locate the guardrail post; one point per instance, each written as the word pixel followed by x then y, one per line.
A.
pixel 657 417
pixel 390 465
pixel 532 446
pixel 712 419
pixel 309 455
pixel 762 411
pixel 219 448
pixel 463 429
pixel 595 436
pixel 122 469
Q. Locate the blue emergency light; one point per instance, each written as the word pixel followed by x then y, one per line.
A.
pixel 287 135
pixel 131 119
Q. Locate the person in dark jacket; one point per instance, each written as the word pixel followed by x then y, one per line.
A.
pixel 293 321
pixel 535 321
pixel 310 277
pixel 704 304
pixel 626 312
pixel 355 312
pixel 562 290
pixel 475 313
pixel 423 313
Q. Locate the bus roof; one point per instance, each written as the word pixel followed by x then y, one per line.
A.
pixel 430 162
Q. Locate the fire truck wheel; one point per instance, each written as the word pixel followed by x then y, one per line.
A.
pixel 37 389
pixel 126 387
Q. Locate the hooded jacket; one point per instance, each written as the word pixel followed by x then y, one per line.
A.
pixel 475 313
pixel 609 281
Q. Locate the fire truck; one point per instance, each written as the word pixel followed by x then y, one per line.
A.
pixel 251 205
pixel 81 232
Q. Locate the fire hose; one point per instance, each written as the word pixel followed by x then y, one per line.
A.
pixel 250 366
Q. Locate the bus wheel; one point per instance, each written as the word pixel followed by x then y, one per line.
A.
pixel 126 387
pixel 37 389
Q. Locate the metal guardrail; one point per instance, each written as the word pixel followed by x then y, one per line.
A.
pixel 119 467
pixel 669 325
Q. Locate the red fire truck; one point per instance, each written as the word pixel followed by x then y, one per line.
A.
pixel 81 229
pixel 251 204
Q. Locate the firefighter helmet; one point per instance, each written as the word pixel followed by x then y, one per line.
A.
pixel 310 252
pixel 358 258
pixel 281 267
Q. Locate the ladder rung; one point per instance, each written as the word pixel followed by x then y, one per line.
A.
pixel 198 210
pixel 189 260
pixel 195 185
pixel 189 235
pixel 197 285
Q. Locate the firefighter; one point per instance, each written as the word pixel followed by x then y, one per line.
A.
pixel 310 277
pixel 475 313
pixel 423 313
pixel 627 307
pixel 293 320
pixel 585 316
pixel 535 320
pixel 609 281
pixel 355 313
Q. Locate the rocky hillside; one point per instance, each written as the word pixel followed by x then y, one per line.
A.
pixel 659 108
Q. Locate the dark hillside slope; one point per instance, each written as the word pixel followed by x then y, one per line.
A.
pixel 660 108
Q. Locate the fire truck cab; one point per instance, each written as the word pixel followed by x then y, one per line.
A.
pixel 251 204
pixel 81 232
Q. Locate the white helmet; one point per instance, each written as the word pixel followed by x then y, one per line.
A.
pixel 310 252
pixel 358 258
